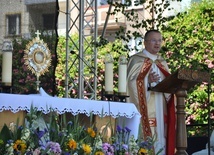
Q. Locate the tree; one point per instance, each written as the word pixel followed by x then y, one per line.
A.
pixel 189 44
pixel 116 49
pixel 140 15
pixel 23 80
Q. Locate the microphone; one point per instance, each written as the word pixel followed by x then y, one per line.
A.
pixel 92 68
pixel 73 51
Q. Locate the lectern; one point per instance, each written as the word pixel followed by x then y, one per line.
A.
pixel 178 83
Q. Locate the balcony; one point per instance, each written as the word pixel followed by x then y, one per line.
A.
pixel 33 2
pixel 112 24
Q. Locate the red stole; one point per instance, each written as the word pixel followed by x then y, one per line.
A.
pixel 171 119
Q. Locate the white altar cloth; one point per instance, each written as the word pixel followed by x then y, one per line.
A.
pixel 203 152
pixel 124 112
pixel 206 151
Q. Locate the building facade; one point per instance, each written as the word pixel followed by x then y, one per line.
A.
pixel 20 18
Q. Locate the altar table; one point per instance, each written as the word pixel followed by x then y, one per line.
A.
pixel 124 112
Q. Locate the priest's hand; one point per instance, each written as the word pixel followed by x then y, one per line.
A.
pixel 153 77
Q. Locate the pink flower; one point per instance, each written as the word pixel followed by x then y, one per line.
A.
pixel 36 152
pixel 54 147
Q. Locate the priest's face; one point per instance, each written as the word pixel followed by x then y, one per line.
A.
pixel 153 42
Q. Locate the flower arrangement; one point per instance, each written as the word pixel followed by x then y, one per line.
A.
pixel 42 136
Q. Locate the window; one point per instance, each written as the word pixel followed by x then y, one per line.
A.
pixel 13 23
pixel 102 2
pixel 48 21
pixel 99 2
pixel 133 3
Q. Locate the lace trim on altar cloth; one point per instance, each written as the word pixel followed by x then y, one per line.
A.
pixel 87 113
pixel 125 112
pixel 46 103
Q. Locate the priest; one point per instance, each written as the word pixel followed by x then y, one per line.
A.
pixel 145 69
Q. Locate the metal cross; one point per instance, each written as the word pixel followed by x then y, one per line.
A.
pixel 37 34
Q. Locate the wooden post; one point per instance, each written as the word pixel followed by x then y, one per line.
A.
pixel 181 137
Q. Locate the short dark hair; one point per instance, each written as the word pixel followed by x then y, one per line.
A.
pixel 150 31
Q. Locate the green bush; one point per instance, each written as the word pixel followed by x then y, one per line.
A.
pixel 189 44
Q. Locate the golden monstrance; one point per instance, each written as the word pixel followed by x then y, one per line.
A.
pixel 37 57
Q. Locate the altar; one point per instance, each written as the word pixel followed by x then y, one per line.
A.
pixel 126 113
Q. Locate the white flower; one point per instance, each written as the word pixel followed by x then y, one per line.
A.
pixel 34 117
pixel 98 142
pixel 12 126
pixel 26 134
pixel 9 149
pixel 133 147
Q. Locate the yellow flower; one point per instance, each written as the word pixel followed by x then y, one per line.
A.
pixel 142 151
pixel 72 144
pixel 19 145
pixel 99 153
pixel 91 132
pixel 86 148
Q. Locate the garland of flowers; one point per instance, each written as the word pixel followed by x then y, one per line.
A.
pixel 51 137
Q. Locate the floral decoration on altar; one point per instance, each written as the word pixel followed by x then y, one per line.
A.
pixel 55 136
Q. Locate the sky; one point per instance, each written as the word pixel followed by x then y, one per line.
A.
pixel 185 3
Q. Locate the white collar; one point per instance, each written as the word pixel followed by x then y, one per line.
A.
pixel 149 55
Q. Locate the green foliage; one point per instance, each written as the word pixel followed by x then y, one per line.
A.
pixel 5 134
pixel 150 16
pixel 60 69
pixel 188 37
pixel 189 44
pixel 115 49
pixel 23 80
pixel 49 134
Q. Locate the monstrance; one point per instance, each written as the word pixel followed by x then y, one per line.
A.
pixel 37 57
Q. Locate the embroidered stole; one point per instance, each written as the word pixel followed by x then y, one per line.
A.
pixel 170 140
